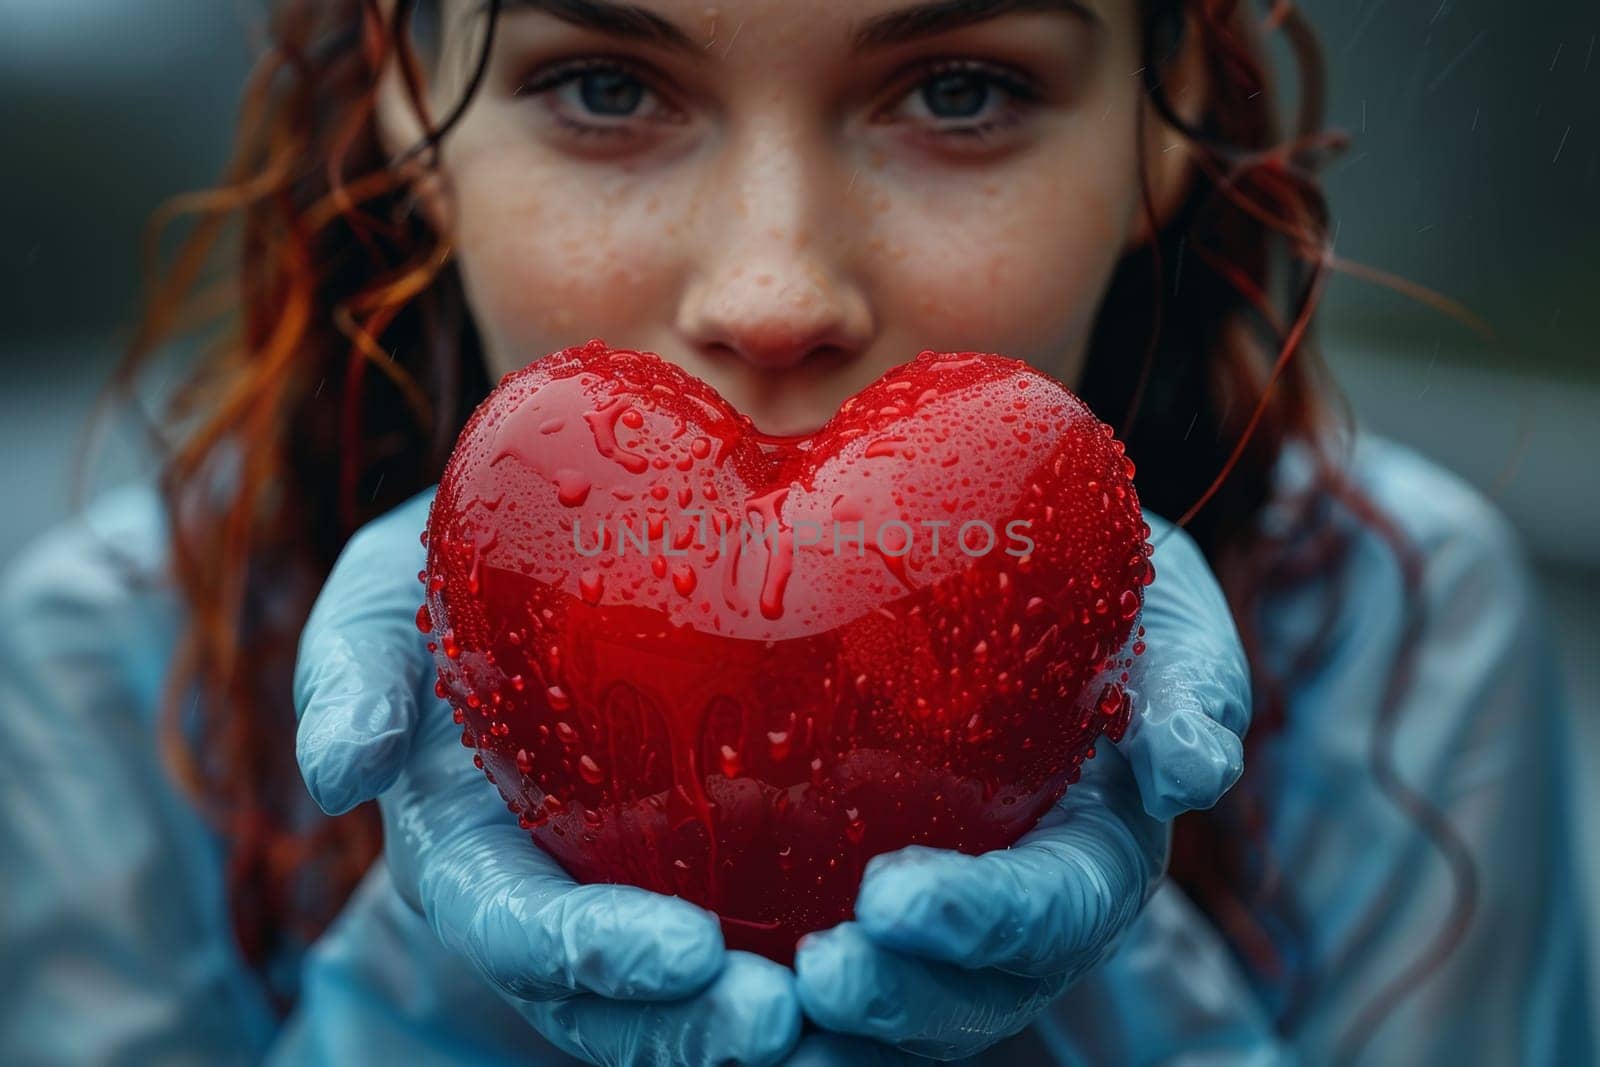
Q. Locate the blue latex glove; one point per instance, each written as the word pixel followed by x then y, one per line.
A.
pixel 950 953
pixel 612 974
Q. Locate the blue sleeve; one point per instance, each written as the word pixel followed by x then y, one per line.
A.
pixel 113 931
pixel 1170 995
pixel 1482 733
pixel 379 987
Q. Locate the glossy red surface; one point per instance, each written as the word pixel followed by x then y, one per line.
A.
pixel 744 716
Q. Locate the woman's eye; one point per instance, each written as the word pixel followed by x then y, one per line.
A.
pixel 956 96
pixel 593 97
pixel 966 100
pixel 608 92
pixel 954 99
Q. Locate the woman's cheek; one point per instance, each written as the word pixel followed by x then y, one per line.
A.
pixel 535 278
pixel 1067 237
pixel 519 296
pixel 1020 272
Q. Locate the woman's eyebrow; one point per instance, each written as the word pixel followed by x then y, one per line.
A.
pixel 625 21
pixel 634 23
pixel 942 16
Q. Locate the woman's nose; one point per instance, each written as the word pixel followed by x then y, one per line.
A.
pixel 772 282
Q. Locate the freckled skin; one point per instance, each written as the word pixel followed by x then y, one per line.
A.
pixel 772 238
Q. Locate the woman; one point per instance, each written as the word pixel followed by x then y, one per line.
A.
pixel 787 200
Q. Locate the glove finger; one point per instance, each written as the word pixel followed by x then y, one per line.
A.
pixel 850 984
pixel 361 662
pixel 750 1014
pixel 1053 902
pixel 494 896
pixel 1190 687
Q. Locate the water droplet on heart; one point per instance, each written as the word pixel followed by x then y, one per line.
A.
pixel 1138 648
pixel 572 488
pixel 1101 605
pixel 1112 701
pixel 683 579
pixel 591 585
pixel 553 804
pixel 778 743
pixel 424 538
pixel 451 649
pixel 846 510
pixel 856 829
pixel 424 620
pixel 524 761
pixel 882 446
pixel 729 759
pixel 590 770
pixel 1147 574
pixel 566 733
pixel 559 701
pixel 655 525
pixel 602 425
pixel 1129 603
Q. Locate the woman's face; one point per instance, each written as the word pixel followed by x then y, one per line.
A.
pixel 788 198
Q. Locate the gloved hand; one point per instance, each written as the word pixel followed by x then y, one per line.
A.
pixel 612 974
pixel 950 953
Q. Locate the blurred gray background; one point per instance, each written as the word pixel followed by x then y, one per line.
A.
pixel 1476 128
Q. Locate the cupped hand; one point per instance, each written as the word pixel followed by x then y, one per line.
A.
pixel 612 974
pixel 949 953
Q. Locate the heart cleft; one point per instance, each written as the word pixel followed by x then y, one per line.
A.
pixel 733 667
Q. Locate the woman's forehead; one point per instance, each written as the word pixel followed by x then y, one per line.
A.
pixel 862 25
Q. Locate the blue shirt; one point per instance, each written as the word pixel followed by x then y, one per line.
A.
pixel 117 948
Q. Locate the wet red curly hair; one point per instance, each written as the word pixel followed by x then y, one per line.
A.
pixel 346 363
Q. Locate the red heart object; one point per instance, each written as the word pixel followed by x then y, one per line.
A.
pixel 733 667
